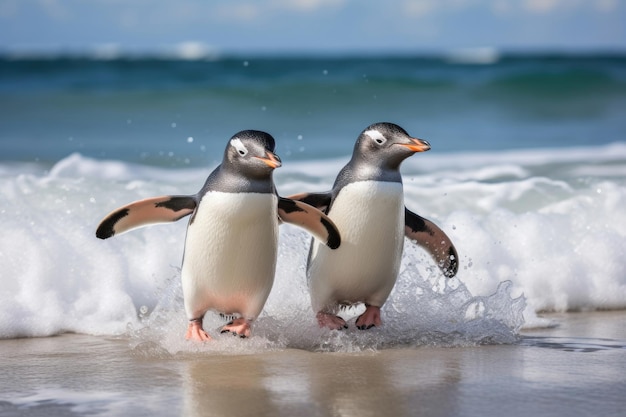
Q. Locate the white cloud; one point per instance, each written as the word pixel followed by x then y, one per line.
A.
pixel 307 5
pixel 249 11
pixel 420 8
pixel 245 12
pixel 55 9
pixel 607 5
pixel 542 6
pixel 556 6
pixel 8 8
pixel 239 12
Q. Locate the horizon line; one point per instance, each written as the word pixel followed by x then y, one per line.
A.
pixel 192 51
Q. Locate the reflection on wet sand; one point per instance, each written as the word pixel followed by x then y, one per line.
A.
pixel 305 383
pixel 225 385
pixel 573 369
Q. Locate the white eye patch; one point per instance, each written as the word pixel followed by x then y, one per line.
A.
pixel 376 135
pixel 239 146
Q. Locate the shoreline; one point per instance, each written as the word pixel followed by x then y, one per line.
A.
pixel 575 368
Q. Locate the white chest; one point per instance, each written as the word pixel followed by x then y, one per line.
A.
pixel 370 218
pixel 230 251
pixel 232 217
pixel 369 212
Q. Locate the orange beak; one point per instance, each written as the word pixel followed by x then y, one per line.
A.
pixel 272 160
pixel 417 145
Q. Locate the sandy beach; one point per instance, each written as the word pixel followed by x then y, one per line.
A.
pixel 575 368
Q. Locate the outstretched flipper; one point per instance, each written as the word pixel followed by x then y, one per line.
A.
pixel 144 212
pixel 320 201
pixel 311 219
pixel 428 235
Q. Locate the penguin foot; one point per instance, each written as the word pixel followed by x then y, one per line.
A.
pixel 331 321
pixel 196 332
pixel 238 327
pixel 369 319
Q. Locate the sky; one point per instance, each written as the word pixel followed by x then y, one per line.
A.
pixel 200 27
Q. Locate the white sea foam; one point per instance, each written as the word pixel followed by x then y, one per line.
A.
pixel 538 228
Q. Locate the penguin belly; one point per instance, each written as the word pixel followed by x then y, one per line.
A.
pixel 230 254
pixel 370 218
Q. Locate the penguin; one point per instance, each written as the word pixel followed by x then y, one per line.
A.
pixel 367 205
pixel 231 243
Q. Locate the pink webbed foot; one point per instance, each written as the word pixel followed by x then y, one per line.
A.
pixel 369 319
pixel 330 321
pixel 238 327
pixel 196 332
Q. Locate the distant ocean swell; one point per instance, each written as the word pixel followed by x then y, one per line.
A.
pixel 534 71
pixel 145 110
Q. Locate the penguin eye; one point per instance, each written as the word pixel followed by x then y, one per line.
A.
pixel 239 146
pixel 376 136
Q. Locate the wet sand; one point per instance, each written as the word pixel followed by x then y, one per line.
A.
pixel 574 369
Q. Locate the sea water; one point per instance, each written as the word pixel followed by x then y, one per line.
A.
pixel 527 175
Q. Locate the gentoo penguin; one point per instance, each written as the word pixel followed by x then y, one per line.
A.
pixel 231 244
pixel 367 205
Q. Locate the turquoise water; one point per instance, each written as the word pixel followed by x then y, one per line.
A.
pixel 174 113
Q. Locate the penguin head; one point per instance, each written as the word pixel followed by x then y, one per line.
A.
pixel 387 145
pixel 251 152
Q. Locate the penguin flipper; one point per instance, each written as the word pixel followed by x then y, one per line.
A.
pixel 144 212
pixel 310 219
pixel 320 201
pixel 428 235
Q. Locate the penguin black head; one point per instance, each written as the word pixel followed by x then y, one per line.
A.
pixel 387 145
pixel 251 152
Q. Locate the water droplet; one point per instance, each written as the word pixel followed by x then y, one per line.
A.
pixel 173 125
pixel 325 72
pixel 189 139
pixel 246 63
pixel 299 137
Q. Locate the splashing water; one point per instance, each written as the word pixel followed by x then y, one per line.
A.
pixel 535 231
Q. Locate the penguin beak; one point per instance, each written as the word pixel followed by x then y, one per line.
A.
pixel 416 145
pixel 272 160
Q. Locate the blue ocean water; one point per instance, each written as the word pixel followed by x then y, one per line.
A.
pixel 527 175
pixel 177 112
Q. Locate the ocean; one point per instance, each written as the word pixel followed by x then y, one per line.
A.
pixel 527 175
